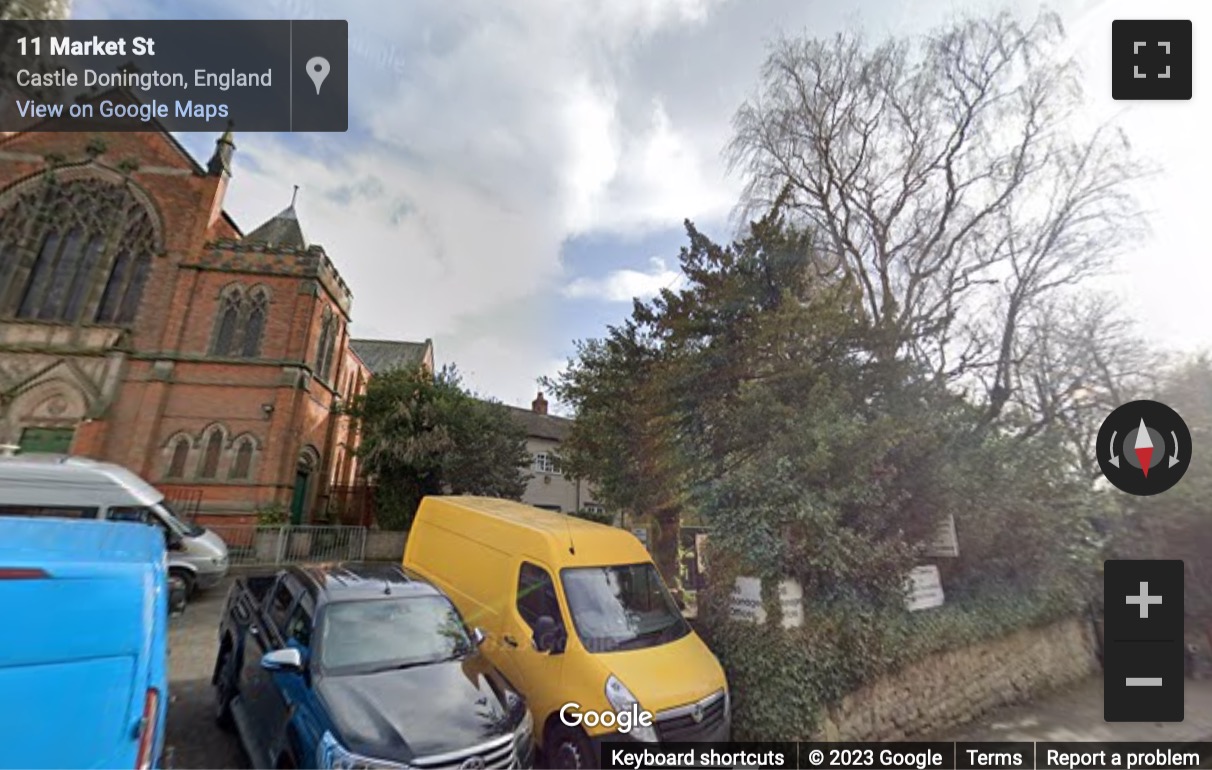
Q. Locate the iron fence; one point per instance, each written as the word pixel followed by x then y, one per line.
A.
pixel 250 545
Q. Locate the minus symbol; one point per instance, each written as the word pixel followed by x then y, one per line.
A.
pixel 1144 681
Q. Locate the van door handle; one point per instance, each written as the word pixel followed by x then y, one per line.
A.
pixel 509 640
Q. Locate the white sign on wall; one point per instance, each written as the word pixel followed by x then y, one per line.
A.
pixel 700 552
pixel 945 543
pixel 747 602
pixel 925 588
pixel 642 534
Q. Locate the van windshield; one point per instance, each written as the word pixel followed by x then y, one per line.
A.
pixel 624 607
pixel 361 637
pixel 166 512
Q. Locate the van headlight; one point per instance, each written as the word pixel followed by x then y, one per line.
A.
pixel 330 754
pixel 622 700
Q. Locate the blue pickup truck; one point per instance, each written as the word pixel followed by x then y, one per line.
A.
pixel 362 666
pixel 84 645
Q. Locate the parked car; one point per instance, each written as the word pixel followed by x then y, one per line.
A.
pixel 575 612
pixel 83 663
pixel 58 486
pixel 361 665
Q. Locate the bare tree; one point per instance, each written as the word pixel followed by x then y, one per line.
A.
pixel 948 179
pixel 1078 358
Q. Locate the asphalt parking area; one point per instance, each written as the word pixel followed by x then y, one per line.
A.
pixel 193 739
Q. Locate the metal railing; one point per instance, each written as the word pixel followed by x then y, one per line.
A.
pixel 250 545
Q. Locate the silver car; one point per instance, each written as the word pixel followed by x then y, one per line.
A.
pixel 59 486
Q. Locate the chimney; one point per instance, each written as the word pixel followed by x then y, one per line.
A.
pixel 539 405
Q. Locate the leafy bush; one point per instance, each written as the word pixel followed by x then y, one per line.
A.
pixel 782 679
pixel 601 517
pixel 273 515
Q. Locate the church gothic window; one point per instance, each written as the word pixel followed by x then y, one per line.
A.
pixel 176 467
pixel 326 349
pixel 210 456
pixel 240 322
pixel 77 251
pixel 243 463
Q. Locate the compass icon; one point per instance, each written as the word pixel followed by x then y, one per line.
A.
pixel 1144 447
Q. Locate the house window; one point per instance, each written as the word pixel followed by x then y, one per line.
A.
pixel 240 468
pixel 254 325
pixel 229 323
pixel 210 458
pixel 547 463
pixel 594 508
pixel 176 467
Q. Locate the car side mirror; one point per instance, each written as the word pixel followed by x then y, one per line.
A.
pixel 477 636
pixel 546 634
pixel 288 659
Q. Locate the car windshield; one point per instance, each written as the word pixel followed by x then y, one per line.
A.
pixel 391 633
pixel 624 607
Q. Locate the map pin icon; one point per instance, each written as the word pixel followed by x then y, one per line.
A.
pixel 317 70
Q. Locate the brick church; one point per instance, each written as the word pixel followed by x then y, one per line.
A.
pixel 139 324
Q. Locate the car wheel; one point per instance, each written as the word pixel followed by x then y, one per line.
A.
pixel 568 749
pixel 225 688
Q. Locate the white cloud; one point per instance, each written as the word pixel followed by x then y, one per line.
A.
pixel 626 285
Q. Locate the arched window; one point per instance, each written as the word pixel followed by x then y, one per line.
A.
pixel 176 467
pixel 229 323
pixel 243 464
pixel 210 456
pixel 73 251
pixel 240 322
pixel 326 348
pixel 254 325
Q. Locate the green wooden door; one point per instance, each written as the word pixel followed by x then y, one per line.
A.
pixel 56 440
pixel 300 498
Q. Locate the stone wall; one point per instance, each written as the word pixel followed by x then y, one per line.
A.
pixel 952 688
pixel 382 545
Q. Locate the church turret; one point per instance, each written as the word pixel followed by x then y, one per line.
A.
pixel 225 148
pixel 282 231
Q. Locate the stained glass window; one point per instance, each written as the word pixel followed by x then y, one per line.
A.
pixel 61 240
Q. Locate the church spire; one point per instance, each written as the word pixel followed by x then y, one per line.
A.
pixel 225 147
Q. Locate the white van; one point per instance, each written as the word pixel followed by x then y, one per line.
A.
pixel 57 486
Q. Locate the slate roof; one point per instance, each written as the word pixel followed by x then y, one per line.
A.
pixel 537 425
pixel 387 355
pixel 282 231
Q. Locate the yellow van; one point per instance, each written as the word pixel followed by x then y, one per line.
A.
pixel 577 617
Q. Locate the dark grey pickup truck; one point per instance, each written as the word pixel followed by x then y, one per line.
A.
pixel 362 666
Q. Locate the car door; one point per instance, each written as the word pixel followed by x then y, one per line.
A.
pixel 258 708
pixel 537 673
pixel 295 724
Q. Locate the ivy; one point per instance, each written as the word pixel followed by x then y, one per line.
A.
pixel 783 680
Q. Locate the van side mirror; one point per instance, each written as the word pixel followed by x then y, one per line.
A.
pixel 173 541
pixel 289 660
pixel 547 635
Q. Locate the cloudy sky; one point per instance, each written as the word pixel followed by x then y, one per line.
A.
pixel 515 172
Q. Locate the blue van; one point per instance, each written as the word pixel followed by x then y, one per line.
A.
pixel 83 645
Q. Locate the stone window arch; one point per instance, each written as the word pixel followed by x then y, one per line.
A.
pixel 242 459
pixel 326 348
pixel 254 322
pixel 75 250
pixel 240 321
pixel 213 440
pixel 178 458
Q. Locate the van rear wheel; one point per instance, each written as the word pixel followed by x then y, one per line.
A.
pixel 569 749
